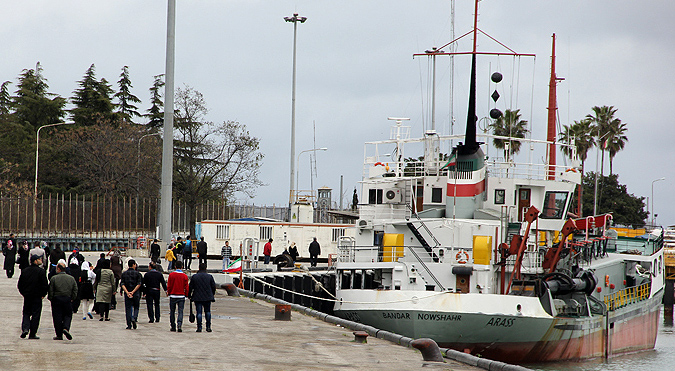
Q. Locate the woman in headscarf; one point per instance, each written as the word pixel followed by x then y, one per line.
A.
pixel 86 292
pixel 106 287
pixel 116 265
pixel 23 255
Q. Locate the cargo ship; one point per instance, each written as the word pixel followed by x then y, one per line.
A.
pixel 483 254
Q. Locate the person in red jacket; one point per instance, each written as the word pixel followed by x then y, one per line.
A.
pixel 267 251
pixel 177 288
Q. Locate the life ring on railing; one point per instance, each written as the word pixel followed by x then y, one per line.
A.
pixel 572 170
pixel 378 164
pixel 462 257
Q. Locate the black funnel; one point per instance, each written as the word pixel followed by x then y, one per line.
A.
pixel 470 145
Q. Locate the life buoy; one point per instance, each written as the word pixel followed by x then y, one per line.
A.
pixel 378 164
pixel 462 257
pixel 606 280
pixel 572 170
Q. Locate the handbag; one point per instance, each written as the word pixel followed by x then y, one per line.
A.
pixel 192 314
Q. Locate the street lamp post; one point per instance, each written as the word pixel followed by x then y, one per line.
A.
pixel 295 19
pixel 37 156
pixel 652 199
pixel 297 181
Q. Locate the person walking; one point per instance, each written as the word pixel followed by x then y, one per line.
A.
pixel 155 250
pixel 314 252
pixel 267 251
pixel 170 257
pixel 178 288
pixel 293 251
pixel 33 286
pixel 23 252
pixel 202 249
pixel 226 253
pixel 74 261
pixel 187 253
pixel 54 257
pixel 86 290
pixel 178 249
pixel 62 291
pixel 9 251
pixel 202 289
pixel 116 265
pixel 106 287
pixel 153 281
pixel 132 281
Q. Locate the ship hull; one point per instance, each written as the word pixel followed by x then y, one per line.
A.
pixel 520 338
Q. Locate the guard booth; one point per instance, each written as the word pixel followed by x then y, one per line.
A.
pixel 251 247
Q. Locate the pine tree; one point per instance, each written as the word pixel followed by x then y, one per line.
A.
pixel 32 103
pixel 92 100
pixel 126 109
pixel 155 114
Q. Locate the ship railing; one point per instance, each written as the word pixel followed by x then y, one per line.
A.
pixel 376 254
pixel 387 157
pixel 628 296
pixel 383 211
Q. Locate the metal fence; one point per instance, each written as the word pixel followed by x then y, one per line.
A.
pixel 71 215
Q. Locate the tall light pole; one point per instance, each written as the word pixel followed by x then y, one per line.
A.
pixel 37 156
pixel 297 181
pixel 166 191
pixel 295 19
pixel 652 199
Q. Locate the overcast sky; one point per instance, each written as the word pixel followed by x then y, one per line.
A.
pixel 355 69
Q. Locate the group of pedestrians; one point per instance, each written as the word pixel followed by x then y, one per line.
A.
pixel 73 282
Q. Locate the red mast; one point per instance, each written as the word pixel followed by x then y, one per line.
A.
pixel 552 109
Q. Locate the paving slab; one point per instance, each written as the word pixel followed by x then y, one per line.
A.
pixel 245 337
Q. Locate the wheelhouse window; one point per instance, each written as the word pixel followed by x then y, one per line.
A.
pixel 374 196
pixel 554 205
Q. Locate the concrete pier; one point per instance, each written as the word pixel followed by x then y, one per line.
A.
pixel 245 337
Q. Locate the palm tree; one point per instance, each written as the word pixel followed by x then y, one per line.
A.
pixel 509 125
pixel 582 134
pixel 604 116
pixel 616 139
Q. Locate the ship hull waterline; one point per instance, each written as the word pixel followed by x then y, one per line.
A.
pixel 520 338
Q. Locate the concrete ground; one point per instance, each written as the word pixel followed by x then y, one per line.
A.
pixel 245 337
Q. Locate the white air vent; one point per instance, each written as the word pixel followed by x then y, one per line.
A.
pixel 364 224
pixel 392 195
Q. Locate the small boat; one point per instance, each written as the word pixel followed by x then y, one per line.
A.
pixel 480 255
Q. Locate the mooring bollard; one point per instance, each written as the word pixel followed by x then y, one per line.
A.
pixel 360 336
pixel 430 350
pixel 282 312
pixel 231 289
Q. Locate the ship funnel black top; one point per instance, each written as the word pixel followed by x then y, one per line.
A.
pixel 470 145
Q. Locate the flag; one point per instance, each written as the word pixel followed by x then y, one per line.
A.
pixel 452 161
pixel 233 267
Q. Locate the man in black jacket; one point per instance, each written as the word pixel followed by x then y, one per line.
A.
pixel 155 250
pixel 314 252
pixel 153 282
pixel 131 283
pixel 202 288
pixel 9 251
pixel 202 249
pixel 33 286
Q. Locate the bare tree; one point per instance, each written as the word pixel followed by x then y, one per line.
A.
pixel 211 161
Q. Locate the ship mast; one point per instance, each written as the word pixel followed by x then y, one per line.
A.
pixel 552 110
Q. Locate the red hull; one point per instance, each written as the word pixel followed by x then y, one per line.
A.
pixel 626 334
